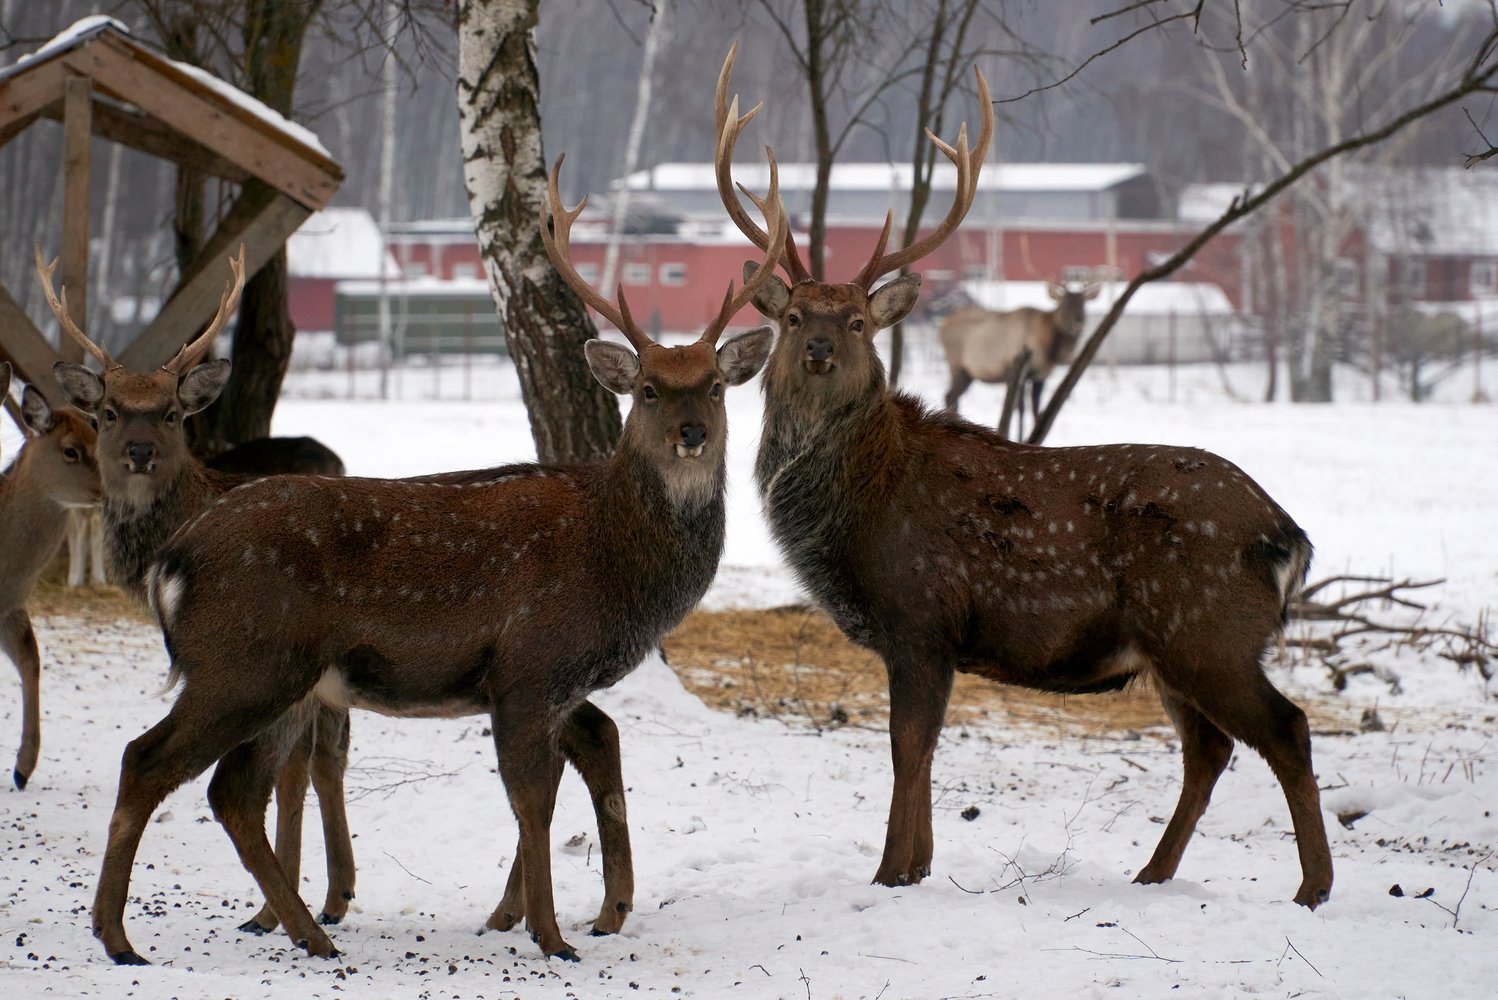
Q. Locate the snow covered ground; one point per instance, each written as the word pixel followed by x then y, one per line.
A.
pixel 754 841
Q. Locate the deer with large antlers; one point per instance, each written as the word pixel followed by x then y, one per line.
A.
pixel 152 485
pixel 54 473
pixel 943 547
pixel 514 594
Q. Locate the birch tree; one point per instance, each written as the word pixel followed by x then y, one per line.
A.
pixel 573 418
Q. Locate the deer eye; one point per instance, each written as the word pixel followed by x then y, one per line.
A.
pixel 650 393
pixel 109 415
pixel 716 392
pixel 71 454
pixel 856 326
pixel 793 320
pixel 171 417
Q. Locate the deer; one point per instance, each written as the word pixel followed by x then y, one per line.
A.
pixel 943 547
pixel 986 345
pixel 151 484
pixel 515 594
pixel 54 473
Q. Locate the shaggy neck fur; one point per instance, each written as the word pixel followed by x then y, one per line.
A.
pixel 139 518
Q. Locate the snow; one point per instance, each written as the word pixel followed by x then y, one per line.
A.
pixel 1157 298
pixel 339 243
pixel 754 840
pixel 80 31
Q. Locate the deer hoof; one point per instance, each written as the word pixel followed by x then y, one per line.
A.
pixel 128 958
pixel 499 921
pixel 1312 898
pixel 567 954
pixel 318 948
pixel 255 927
pixel 20 779
pixel 329 919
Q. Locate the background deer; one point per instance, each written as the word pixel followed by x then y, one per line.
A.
pixel 54 473
pixel 985 344
pixel 943 547
pixel 514 594
pixel 152 484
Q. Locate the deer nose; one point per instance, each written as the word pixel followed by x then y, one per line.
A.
pixel 819 348
pixel 140 454
pixel 693 435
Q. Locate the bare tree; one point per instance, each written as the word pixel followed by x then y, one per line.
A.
pixel 573 418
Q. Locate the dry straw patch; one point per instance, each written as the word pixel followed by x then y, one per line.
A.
pixel 793 664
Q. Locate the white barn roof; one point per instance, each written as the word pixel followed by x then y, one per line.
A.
pixel 1058 177
pixel 339 243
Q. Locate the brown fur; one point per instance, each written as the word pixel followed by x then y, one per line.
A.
pixel 943 547
pixel 514 591
pixel 54 472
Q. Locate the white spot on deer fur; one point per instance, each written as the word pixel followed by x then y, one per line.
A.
pixel 248 556
pixel 166 596
pixel 1051 527
pixel 312 535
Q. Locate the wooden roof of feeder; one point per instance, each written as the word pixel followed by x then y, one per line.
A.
pixel 97 80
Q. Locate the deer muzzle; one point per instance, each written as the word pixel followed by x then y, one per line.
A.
pixel 818 359
pixel 693 440
pixel 140 457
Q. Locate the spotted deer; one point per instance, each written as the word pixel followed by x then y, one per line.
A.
pixel 984 345
pixel 53 474
pixel 943 547
pixel 152 484
pixel 515 594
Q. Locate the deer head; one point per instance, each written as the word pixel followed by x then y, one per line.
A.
pixel 59 453
pixel 825 352
pixel 1071 304
pixel 142 447
pixel 678 419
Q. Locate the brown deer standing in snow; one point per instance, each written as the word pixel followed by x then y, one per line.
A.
pixel 515 594
pixel 943 547
pixel 54 473
pixel 152 485
pixel 984 345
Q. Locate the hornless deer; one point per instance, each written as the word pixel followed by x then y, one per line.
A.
pixel 943 547
pixel 515 594
pixel 53 474
pixel 985 345
pixel 152 485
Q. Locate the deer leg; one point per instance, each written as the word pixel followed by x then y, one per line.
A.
pixel 918 694
pixel 239 794
pixel 531 766
pixel 194 734
pixel 19 643
pixel 1205 752
pixel 511 908
pixel 77 531
pixel 97 576
pixel 291 799
pixel 1249 709
pixel 329 762
pixel 590 740
pixel 1036 385
pixel 958 385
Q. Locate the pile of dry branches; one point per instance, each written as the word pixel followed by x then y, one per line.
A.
pixel 1344 635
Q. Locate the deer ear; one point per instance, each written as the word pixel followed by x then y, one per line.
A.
pixel 893 301
pixel 614 365
pixel 741 358
pixel 202 385
pixel 35 413
pixel 83 388
pixel 772 299
pixel 1055 291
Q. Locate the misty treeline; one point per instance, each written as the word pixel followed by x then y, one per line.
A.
pixel 1176 97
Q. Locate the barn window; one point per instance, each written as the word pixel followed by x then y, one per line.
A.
pixel 673 274
pixel 465 271
pixel 587 272
pixel 637 274
pixel 1482 277
pixel 1409 277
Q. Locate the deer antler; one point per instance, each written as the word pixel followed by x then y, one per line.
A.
pixel 60 310
pixel 191 353
pixel 773 209
pixel 558 248
pixel 730 124
pixel 968 166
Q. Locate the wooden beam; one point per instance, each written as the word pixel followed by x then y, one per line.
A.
pixel 23 345
pixel 24 94
pixel 77 163
pixel 128 127
pixel 166 93
pixel 193 305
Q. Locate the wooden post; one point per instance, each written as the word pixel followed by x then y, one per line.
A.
pixel 77 131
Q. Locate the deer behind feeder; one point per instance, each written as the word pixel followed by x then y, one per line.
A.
pixel 943 547
pixel 515 595
pixel 54 474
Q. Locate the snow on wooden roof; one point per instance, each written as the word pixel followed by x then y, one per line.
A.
pixel 1066 177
